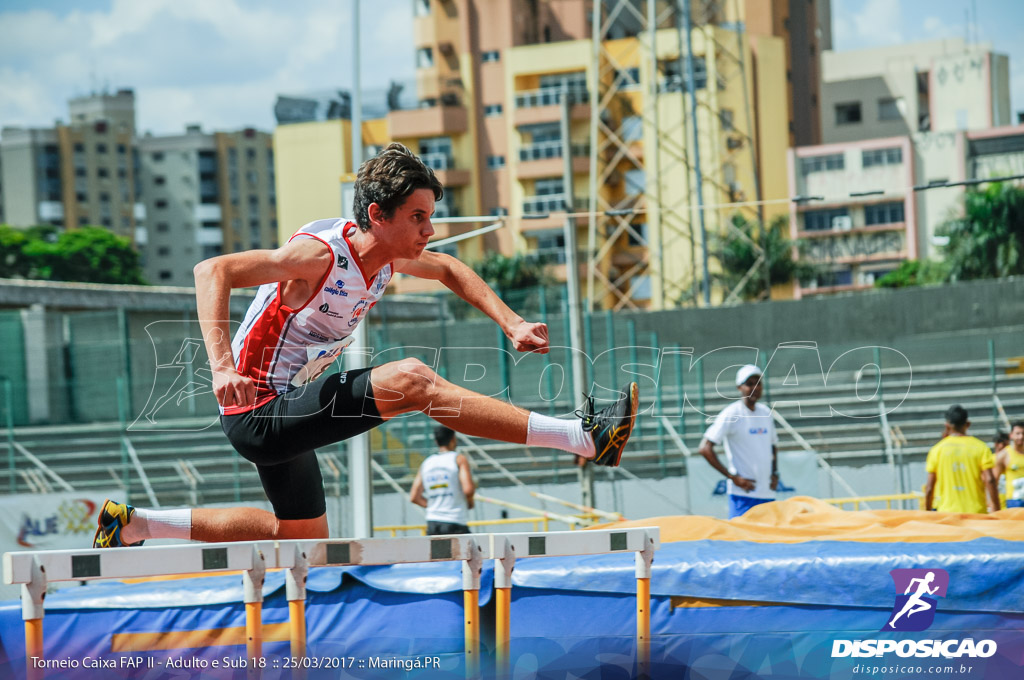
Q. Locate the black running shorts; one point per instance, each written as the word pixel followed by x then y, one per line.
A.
pixel 281 436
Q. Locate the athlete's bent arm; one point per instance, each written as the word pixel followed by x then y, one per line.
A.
pixel 929 491
pixel 707 449
pixel 463 281
pixel 466 480
pixel 416 493
pixel 989 480
pixel 301 263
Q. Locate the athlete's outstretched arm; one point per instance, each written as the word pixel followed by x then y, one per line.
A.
pixel 463 281
pixel 303 260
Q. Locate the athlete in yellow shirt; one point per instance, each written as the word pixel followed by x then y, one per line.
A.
pixel 960 470
pixel 1011 462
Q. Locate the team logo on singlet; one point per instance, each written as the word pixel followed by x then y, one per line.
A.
pixel 357 312
pixel 336 289
pixel 343 262
pixel 325 308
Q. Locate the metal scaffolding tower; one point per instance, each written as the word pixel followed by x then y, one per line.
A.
pixel 662 146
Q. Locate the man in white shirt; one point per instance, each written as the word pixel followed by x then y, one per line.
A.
pixel 444 486
pixel 751 445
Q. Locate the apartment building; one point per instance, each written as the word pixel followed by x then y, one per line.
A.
pixel 494 79
pixel 934 86
pixel 205 194
pixel 899 119
pixel 77 174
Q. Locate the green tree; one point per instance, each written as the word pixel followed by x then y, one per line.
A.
pixel 988 241
pixel 915 273
pixel 14 263
pixel 88 254
pixel 736 252
pixel 505 273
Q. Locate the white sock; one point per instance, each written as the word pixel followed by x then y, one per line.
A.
pixel 555 433
pixel 146 524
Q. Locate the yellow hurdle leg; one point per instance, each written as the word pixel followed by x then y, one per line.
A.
pixel 471 604
pixel 297 626
pixel 253 635
pixel 33 647
pixel 502 635
pixel 643 626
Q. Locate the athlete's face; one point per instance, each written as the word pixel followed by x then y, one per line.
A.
pixel 409 228
pixel 752 388
pixel 1017 437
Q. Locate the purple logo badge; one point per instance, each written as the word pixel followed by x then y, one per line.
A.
pixel 917 593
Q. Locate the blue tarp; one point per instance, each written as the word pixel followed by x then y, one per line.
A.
pixel 569 614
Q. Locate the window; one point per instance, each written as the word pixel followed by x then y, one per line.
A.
pixel 725 115
pixel 424 57
pixel 421 8
pixel 162 227
pixel 163 251
pixel 847 114
pixel 891 156
pixel 883 213
pixel 491 55
pixel 101 148
pixel 825 220
pixel 157 157
pixel 102 172
pixel 889 109
pixel 550 248
pixel 492 110
pixel 632 129
pixel 79 147
pixel 822 163
pixel 104 197
pixel 159 180
pixel 79 172
pixel 495 162
pixel 161 204
pixel 640 229
pixel 165 275
pixel 211 251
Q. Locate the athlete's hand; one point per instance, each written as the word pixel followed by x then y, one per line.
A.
pixel 744 483
pixel 232 389
pixel 530 337
pixel 775 483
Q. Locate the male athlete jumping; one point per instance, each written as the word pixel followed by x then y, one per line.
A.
pixel 277 407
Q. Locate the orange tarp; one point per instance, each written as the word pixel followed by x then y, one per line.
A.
pixel 809 519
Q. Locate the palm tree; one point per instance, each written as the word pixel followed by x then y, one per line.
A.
pixel 988 241
pixel 739 250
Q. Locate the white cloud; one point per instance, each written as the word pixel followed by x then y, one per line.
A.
pixel 219 63
pixel 879 23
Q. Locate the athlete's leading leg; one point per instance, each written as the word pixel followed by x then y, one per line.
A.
pixel 410 385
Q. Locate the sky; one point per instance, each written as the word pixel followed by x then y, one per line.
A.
pixel 222 63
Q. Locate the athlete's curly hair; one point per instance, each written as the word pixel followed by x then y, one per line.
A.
pixel 388 179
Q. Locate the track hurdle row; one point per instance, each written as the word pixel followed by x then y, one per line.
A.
pixel 34 570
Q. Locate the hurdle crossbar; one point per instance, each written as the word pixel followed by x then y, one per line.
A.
pixel 34 569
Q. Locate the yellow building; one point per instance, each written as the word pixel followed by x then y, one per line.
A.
pixel 490 82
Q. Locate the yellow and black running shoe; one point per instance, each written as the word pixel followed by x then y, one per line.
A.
pixel 611 426
pixel 113 518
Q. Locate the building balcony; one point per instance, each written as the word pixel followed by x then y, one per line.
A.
pixel 545 106
pixel 545 160
pixel 436 31
pixel 544 213
pixel 432 121
pixel 443 165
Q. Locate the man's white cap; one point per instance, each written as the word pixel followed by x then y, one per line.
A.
pixel 743 375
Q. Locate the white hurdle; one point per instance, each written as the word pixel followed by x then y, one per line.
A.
pixel 34 570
